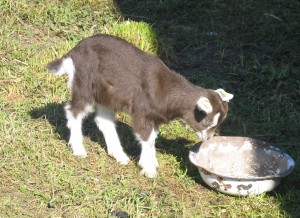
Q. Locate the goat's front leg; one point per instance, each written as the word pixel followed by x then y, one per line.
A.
pixel 148 160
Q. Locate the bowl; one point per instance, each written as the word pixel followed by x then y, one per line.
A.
pixel 240 165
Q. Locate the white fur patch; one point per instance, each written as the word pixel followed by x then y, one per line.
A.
pixel 204 105
pixel 148 160
pixel 215 121
pixel 224 95
pixel 74 124
pixel 67 67
pixel 105 120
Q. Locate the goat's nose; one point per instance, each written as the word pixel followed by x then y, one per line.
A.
pixel 203 136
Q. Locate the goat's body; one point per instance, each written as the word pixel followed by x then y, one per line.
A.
pixel 112 75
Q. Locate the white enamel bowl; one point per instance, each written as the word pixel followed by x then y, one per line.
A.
pixel 240 165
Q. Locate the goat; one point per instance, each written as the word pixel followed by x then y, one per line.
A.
pixel 107 74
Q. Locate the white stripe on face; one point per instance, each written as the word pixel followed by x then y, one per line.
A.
pixel 215 121
pixel 203 134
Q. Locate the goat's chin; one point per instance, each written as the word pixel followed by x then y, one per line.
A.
pixel 203 136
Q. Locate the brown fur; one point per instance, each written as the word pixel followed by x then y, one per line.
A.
pixel 114 73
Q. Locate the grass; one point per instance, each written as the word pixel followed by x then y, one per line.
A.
pixel 249 48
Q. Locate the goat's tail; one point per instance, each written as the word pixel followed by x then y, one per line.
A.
pixel 63 66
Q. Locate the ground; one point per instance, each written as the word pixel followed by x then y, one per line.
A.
pixel 248 48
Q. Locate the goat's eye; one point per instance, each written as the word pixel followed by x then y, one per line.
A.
pixel 207 123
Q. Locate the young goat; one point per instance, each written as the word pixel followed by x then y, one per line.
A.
pixel 107 74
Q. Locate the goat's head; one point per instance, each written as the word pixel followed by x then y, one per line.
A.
pixel 209 111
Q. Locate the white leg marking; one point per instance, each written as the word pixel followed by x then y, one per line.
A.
pixel 74 124
pixel 105 120
pixel 148 160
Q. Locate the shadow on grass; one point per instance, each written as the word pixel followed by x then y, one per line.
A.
pixel 231 44
pixel 205 40
pixel 180 150
pixel 188 40
pixel 54 113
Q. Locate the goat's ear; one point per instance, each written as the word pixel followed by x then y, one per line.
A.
pixel 224 95
pixel 204 104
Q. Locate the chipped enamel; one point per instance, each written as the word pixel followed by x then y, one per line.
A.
pixel 241 166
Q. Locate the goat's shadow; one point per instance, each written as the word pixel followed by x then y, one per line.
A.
pixel 54 113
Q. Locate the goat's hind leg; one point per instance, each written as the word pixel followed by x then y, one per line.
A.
pixel 74 124
pixel 105 120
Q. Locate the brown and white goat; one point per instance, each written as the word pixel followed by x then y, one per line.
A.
pixel 107 74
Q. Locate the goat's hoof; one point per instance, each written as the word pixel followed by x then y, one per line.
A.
pixel 80 153
pixel 124 160
pixel 120 157
pixel 155 162
pixel 149 172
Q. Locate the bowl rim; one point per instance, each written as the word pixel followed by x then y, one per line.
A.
pixel 196 148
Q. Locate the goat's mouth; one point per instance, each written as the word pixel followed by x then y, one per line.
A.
pixel 203 136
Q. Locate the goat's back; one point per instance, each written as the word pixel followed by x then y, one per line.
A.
pixel 122 77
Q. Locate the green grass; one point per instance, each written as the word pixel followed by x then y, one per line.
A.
pixel 249 48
